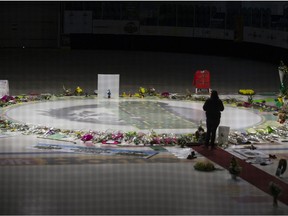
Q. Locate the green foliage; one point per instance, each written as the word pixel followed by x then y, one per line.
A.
pixel 234 168
pixel 205 166
pixel 284 84
pixel 186 138
pixel 274 189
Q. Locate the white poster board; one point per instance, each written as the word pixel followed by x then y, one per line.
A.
pixel 108 82
pixel 223 133
pixel 4 88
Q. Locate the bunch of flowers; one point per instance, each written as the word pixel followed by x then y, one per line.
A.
pixel 153 137
pixel 130 136
pixel 78 91
pixel 68 92
pixel 140 138
pixel 142 91
pixel 155 140
pixel 167 139
pixel 87 137
pixel 165 94
pixel 98 136
pixel 7 100
pixel 184 139
pixel 124 94
pixel 150 138
pixel 246 92
pixel 249 93
pixel 116 136
pixel 146 92
pixel 151 92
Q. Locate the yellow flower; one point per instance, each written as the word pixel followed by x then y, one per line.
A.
pixel 142 90
pixel 246 91
pixel 137 95
pixel 79 90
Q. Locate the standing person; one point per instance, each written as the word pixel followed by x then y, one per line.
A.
pixel 109 93
pixel 213 107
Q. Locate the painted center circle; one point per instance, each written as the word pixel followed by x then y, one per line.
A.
pixel 126 115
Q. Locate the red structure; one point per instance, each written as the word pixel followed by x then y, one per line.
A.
pixel 202 80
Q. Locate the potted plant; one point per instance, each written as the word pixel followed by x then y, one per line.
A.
pixel 234 168
pixel 275 190
pixel 205 166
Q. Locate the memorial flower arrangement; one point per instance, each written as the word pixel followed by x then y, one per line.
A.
pixel 246 91
pixel 165 94
pixel 67 92
pixel 87 137
pixel 109 136
pixel 132 137
pixel 249 93
pixel 184 139
pixel 78 91
pixel 7 98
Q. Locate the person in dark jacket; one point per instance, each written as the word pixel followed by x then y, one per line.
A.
pixel 213 107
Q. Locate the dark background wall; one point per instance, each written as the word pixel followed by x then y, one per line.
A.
pixel 180 44
pixel 43 24
pixel 29 24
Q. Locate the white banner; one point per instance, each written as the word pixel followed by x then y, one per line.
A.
pixel 4 88
pixel 187 32
pixel 167 31
pixel 223 133
pixel 115 27
pixel 108 86
pixel 214 33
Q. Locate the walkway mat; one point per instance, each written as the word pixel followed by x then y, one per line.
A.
pixel 58 137
pixel 94 150
pixel 181 153
pixel 250 173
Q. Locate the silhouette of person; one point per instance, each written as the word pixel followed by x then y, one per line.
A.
pixel 213 107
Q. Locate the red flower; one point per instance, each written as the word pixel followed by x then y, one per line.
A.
pixel 86 137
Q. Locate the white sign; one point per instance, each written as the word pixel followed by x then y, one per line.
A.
pixel 4 88
pixel 108 85
pixel 223 133
pixel 115 26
